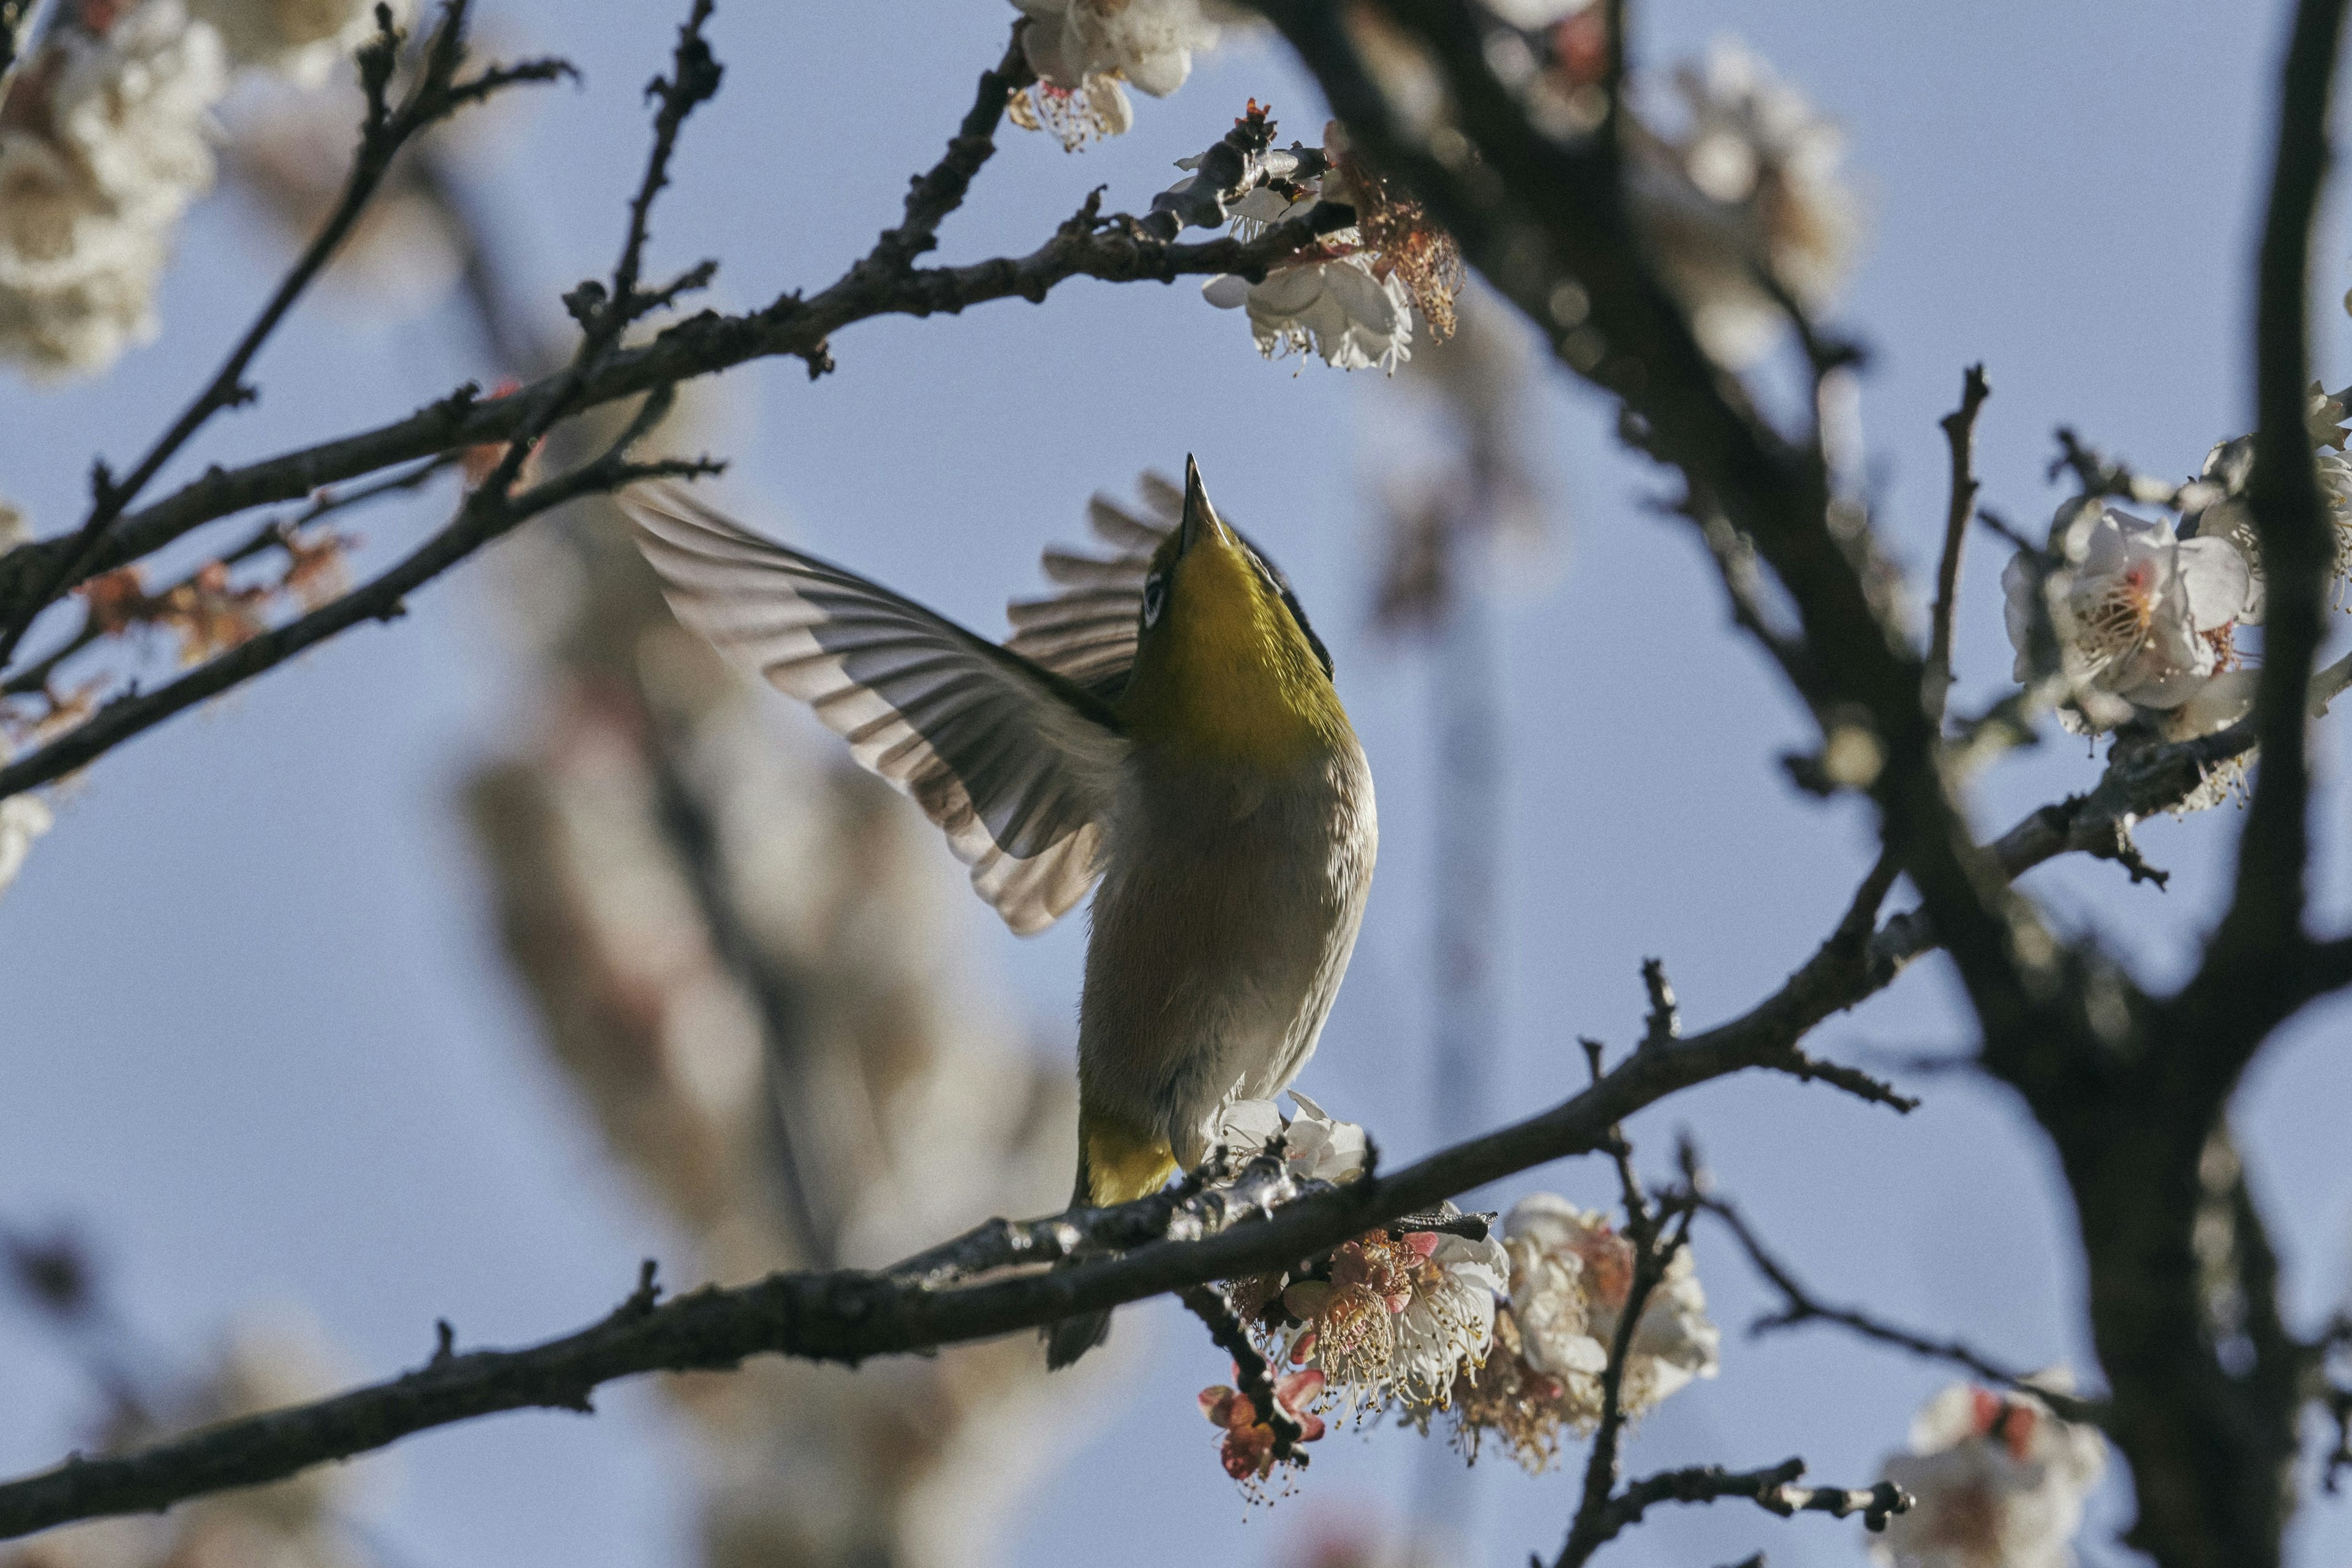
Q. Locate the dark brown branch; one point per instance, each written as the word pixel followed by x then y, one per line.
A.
pixel 2260 938
pixel 1654 1249
pixel 436 95
pixel 1173 1240
pixel 1090 245
pixel 1961 433
pixel 1800 1306
pixel 1251 1373
pixel 1773 1490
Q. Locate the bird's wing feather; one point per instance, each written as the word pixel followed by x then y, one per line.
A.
pixel 1016 763
pixel 1087 632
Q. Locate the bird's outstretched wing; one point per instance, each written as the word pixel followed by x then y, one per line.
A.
pixel 1018 763
pixel 1086 633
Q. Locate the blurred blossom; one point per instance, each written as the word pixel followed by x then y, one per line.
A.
pixel 1082 49
pixel 750 962
pixel 1752 182
pixel 2000 1483
pixel 23 818
pixel 291 152
pixel 267 1361
pixel 2142 620
pixel 299 39
pixel 1570 1276
pixel 103 143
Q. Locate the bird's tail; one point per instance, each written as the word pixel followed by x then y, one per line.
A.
pixel 1114 1167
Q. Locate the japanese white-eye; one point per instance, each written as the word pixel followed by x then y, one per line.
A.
pixel 1165 724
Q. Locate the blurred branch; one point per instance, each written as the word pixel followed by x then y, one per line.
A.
pixel 1801 1305
pixel 1961 432
pixel 436 94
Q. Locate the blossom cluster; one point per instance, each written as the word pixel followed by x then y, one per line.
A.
pixel 2134 620
pixel 107 137
pixel 1507 1331
pixel 1998 1481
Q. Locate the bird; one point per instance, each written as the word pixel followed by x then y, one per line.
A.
pixel 1163 729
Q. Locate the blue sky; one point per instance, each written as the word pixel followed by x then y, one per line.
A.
pixel 257 1042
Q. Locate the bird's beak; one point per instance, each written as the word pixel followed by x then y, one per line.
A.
pixel 1201 518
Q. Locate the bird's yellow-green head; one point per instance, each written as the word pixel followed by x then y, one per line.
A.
pixel 1226 668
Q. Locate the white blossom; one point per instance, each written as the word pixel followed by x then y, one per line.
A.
pixel 1753 181
pixel 1532 15
pixel 92 179
pixel 1400 1317
pixel 1148 42
pixel 2143 620
pixel 23 818
pixel 1081 51
pixel 1316 1148
pixel 1337 307
pixel 2000 1483
pixel 301 40
pixel 1572 1276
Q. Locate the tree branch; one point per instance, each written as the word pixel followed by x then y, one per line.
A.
pixel 984 1283
pixel 1772 1490
pixel 436 95
pixel 1801 1305
pixel 1959 432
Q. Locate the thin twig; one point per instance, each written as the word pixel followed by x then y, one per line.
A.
pixel 1251 1373
pixel 1800 1306
pixel 1960 433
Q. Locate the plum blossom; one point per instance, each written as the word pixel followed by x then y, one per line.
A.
pixel 1082 50
pixel 1752 181
pixel 301 40
pixel 2214 504
pixel 1334 306
pixel 23 818
pixel 2000 1483
pixel 1399 1317
pixel 103 144
pixel 1571 1274
pixel 1247 1447
pixel 1316 1148
pixel 2142 620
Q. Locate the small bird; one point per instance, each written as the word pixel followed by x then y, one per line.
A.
pixel 1165 724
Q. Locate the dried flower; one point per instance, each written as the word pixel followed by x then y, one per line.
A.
pixel 2000 1483
pixel 318 567
pixel 1753 181
pixel 1510 1397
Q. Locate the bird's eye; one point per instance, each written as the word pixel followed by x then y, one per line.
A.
pixel 1155 599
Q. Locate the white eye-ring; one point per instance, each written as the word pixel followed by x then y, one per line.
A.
pixel 1155 599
